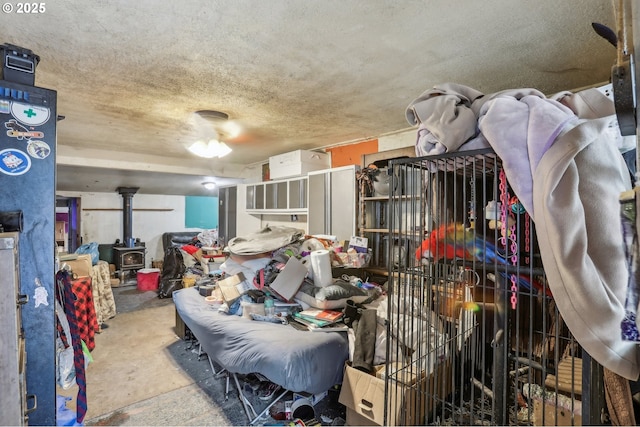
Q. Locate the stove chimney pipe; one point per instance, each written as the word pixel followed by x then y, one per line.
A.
pixel 127 214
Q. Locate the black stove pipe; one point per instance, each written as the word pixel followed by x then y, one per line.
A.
pixel 127 214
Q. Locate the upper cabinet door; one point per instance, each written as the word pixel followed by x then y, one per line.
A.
pixel 332 202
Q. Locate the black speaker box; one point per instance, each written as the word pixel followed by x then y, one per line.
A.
pixel 18 64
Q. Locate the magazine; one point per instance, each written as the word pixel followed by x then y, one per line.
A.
pixel 334 327
pixel 319 325
pixel 319 314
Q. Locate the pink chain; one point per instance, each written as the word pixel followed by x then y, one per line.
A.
pixel 527 237
pixel 511 236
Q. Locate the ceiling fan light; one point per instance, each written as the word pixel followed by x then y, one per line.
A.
pixel 201 149
pixel 223 149
pixel 210 149
pixel 209 185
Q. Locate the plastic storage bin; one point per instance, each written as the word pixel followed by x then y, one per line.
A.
pixel 148 279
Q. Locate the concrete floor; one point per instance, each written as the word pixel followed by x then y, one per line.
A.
pixel 144 374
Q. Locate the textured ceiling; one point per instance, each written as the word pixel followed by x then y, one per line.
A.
pixel 293 74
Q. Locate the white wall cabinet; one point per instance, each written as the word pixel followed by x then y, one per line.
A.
pixel 287 197
pixel 332 202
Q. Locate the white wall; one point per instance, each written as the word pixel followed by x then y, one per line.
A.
pixel 397 140
pixel 105 226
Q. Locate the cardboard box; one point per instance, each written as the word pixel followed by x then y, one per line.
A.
pixel 60 231
pixel 409 403
pixel 553 415
pixel 297 163
pixel 355 419
pixel 556 409
pixel 81 266
pixel 181 327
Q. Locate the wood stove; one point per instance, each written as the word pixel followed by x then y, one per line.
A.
pixel 128 259
pixel 130 256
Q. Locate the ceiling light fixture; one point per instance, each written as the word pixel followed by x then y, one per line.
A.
pixel 209 185
pixel 210 149
pixel 216 125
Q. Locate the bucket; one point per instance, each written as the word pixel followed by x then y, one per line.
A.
pixel 303 409
pixel 148 279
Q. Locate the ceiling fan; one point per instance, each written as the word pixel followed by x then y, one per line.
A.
pixel 212 128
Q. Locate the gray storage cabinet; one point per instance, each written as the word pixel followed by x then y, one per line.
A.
pixel 332 204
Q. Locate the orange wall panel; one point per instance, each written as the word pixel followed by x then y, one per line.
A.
pixel 351 154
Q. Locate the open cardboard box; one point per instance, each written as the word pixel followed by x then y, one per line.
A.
pixel 568 383
pixel 409 401
pixel 80 266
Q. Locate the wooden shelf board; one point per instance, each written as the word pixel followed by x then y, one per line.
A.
pixel 386 198
pixel 301 211
pixel 375 230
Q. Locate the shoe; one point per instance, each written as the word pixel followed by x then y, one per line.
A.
pixel 252 384
pixel 268 390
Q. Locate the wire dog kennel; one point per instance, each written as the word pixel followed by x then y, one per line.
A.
pixel 476 338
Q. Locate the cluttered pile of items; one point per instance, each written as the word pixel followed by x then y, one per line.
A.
pixel 280 275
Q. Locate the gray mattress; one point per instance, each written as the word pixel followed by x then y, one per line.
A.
pixel 296 360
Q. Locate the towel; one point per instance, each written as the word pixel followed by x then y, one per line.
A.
pixel 568 175
pixel 521 126
pixel 447 118
pixel 576 188
pixel 593 104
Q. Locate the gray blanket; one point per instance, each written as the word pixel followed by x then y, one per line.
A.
pixel 576 188
pixel 568 174
pixel 296 360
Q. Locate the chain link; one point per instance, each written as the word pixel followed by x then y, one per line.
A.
pixel 509 235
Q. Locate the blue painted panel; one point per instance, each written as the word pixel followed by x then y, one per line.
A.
pixel 201 212
pixel 27 183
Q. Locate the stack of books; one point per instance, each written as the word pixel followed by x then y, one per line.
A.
pixel 317 320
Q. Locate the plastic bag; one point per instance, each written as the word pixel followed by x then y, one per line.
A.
pixel 65 369
pixel 91 249
pixel 173 269
pixel 208 238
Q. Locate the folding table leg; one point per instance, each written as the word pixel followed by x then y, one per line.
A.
pixel 264 411
pixel 211 364
pixel 245 402
pixel 218 375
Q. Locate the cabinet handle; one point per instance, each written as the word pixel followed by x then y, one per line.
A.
pixel 33 398
pixel 22 299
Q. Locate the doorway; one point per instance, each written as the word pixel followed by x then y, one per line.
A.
pixel 68 219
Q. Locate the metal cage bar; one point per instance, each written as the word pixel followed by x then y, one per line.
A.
pixel 475 336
